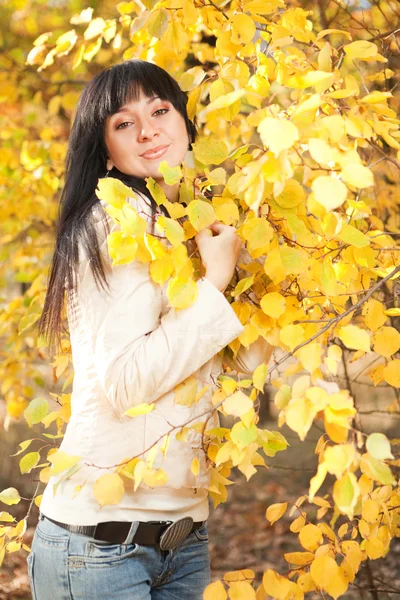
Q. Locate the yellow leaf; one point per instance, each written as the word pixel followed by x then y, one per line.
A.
pixel 201 214
pixel 353 236
pixel 237 404
pixel 276 511
pixel 339 458
pixel 241 590
pixel 109 489
pixel 113 191
pixel 195 466
pixel 310 537
pixel 186 391
pixel 299 558
pixel 13 546
pixel 346 493
pixel 191 78
pixel 310 356
pixel 171 175
pixel 258 233
pixel 141 409
pixel 84 16
pixel 361 49
pixel 243 29
pixel 278 134
pixel 358 175
pixel 386 341
pixel 391 373
pixel 325 32
pixel 327 576
pixel 10 496
pixel 317 480
pixel 215 591
pixel 154 477
pixel 374 314
pixel 320 151
pixel 370 511
pixel 5 516
pixel 292 194
pixel 292 335
pixel 273 304
pixel 242 575
pixel 374 548
pixel 94 28
pixel 393 312
pixel 281 588
pixel 29 461
pixel 61 461
pixel 122 248
pixel 329 192
pixel 355 338
pixel 181 292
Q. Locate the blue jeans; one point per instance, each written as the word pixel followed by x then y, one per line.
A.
pixel 69 566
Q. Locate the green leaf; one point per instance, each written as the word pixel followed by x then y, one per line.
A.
pixel 36 411
pixel 29 461
pixel 378 446
pixel 23 446
pixel 376 469
pixel 210 151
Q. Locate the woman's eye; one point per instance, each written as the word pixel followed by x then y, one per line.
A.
pixel 160 110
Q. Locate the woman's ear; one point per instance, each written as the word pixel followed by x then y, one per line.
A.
pixel 109 165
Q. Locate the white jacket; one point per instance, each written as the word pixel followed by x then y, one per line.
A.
pixel 130 347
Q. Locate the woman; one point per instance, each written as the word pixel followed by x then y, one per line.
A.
pixel 129 347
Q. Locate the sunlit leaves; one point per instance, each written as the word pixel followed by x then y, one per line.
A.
pixel 354 337
pixel 357 175
pixel 278 134
pixel 361 49
pixel 329 192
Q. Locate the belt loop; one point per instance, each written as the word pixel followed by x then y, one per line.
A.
pixel 131 533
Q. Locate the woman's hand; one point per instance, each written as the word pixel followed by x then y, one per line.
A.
pixel 219 252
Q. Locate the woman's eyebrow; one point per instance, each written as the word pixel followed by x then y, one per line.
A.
pixel 127 109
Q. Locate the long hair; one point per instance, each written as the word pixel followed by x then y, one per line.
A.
pixel 85 163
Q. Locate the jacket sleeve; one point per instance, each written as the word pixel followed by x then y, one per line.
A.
pixel 140 354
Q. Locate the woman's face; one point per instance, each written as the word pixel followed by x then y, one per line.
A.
pixel 141 126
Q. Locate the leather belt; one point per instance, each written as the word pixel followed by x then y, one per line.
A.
pixel 169 535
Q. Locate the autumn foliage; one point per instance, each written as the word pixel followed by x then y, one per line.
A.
pixel 300 151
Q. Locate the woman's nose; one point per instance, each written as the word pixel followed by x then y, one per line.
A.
pixel 147 130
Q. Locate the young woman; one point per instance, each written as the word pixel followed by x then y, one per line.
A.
pixel 129 347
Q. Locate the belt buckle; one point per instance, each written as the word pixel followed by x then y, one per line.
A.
pixel 176 534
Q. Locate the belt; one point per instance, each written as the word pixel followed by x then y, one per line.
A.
pixel 169 535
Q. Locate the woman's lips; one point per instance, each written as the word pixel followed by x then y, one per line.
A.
pixel 155 154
